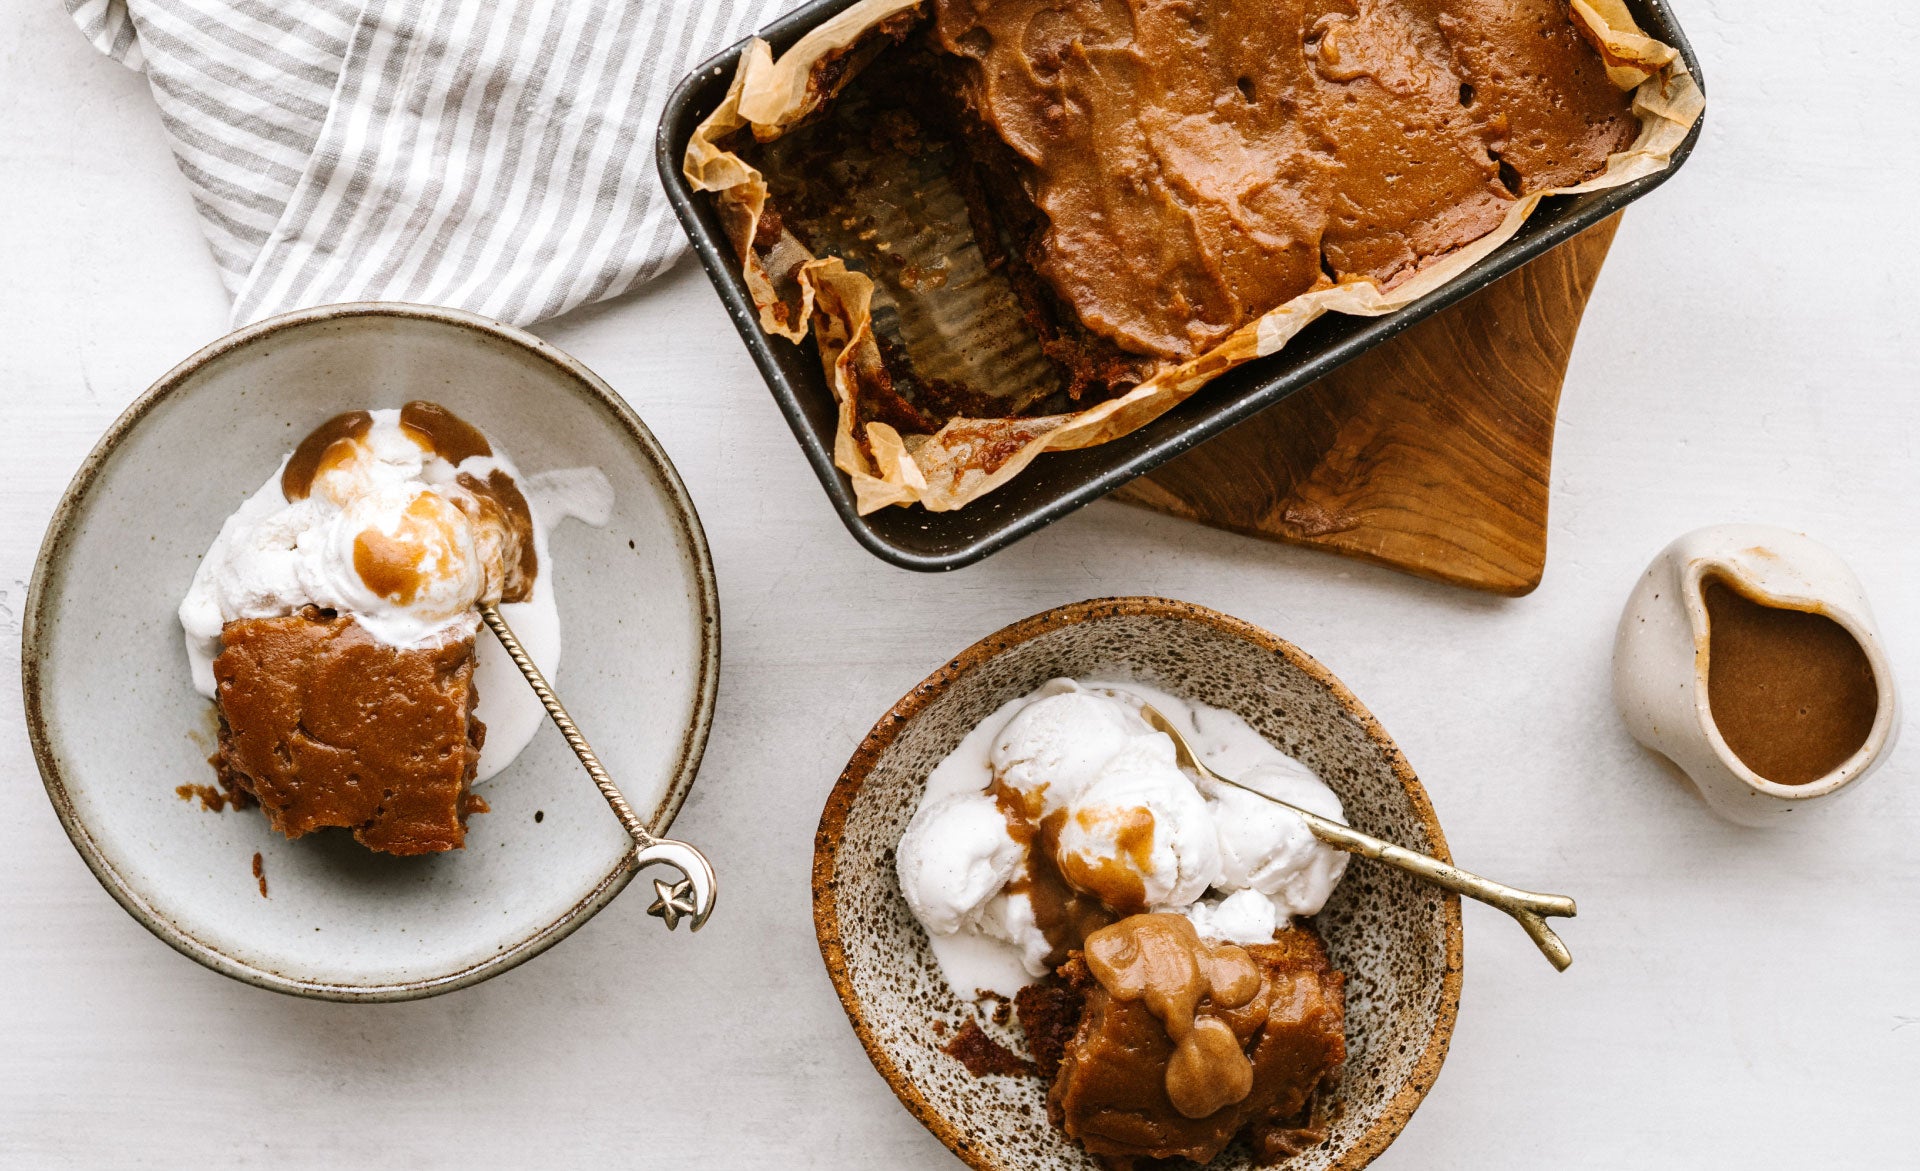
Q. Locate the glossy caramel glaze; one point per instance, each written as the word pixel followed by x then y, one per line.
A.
pixel 1196 163
pixel 1791 692
pixel 1115 1082
pixel 439 430
pixel 503 507
pixel 1065 915
pixel 327 727
pixel 331 443
pixel 1191 986
pixel 389 563
pixel 1116 883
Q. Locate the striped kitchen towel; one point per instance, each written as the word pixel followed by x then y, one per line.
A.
pixel 495 155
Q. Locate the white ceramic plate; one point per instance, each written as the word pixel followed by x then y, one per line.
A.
pixel 116 724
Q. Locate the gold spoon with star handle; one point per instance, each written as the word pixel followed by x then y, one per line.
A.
pixel 692 897
pixel 1529 909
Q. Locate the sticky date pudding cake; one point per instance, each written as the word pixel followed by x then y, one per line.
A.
pixel 1171 171
pixel 1150 928
pixel 1018 226
pixel 324 726
pixel 334 623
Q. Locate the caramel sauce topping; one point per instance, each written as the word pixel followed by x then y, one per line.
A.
pixel 1065 915
pixel 503 506
pixel 442 432
pixel 1792 692
pixel 1191 986
pixel 1204 995
pixel 390 564
pixel 326 447
pixel 1199 163
pixel 1108 879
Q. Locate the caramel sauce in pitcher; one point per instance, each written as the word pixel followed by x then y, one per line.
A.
pixel 1791 691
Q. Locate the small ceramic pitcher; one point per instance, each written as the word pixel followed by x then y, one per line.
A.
pixel 1660 659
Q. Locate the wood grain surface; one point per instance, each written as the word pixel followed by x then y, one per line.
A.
pixel 1430 453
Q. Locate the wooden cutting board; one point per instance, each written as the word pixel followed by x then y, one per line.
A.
pixel 1429 453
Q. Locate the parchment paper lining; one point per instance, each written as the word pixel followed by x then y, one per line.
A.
pixel 968 458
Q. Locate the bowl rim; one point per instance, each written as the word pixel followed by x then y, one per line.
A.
pixel 827 839
pixel 49 564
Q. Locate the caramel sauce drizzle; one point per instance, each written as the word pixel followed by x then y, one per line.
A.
pixel 389 565
pixel 1066 916
pixel 1108 879
pixel 1190 986
pixel 1205 995
pixel 503 504
pixel 442 432
pixel 327 446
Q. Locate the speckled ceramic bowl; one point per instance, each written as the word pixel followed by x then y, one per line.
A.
pixel 116 724
pixel 1397 941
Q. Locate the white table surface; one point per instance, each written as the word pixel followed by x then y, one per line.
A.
pixel 1740 998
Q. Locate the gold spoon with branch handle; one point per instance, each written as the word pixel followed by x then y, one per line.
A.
pixel 1529 909
pixel 690 898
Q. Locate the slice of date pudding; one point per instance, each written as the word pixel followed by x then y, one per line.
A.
pixel 326 726
pixel 1160 1045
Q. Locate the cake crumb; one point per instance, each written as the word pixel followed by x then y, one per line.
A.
pixel 1050 1014
pixel 1002 1010
pixel 211 799
pixel 214 798
pixel 260 873
pixel 982 1055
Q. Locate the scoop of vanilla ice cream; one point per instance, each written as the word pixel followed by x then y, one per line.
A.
pixel 400 552
pixel 954 857
pixel 1245 916
pixel 1141 787
pixel 386 533
pixel 1054 746
pixel 1008 917
pixel 253 564
pixel 1268 849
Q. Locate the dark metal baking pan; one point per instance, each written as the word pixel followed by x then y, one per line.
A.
pixel 1059 482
